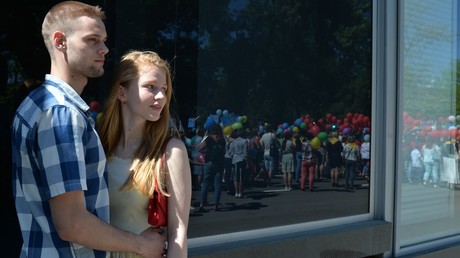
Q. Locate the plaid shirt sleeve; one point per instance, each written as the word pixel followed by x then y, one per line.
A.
pixel 61 152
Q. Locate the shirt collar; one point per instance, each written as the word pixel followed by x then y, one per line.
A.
pixel 69 91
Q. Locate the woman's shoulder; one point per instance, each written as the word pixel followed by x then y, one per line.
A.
pixel 175 142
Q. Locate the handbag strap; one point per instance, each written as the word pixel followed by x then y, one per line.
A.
pixel 163 153
pixel 163 150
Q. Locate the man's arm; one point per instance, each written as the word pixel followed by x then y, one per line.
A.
pixel 75 224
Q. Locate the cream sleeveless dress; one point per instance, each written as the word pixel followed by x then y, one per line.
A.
pixel 128 208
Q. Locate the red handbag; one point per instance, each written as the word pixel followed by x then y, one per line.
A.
pixel 158 210
pixel 158 204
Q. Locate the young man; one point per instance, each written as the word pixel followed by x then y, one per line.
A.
pixel 59 165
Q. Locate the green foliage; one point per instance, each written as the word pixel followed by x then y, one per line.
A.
pixel 283 59
pixel 270 60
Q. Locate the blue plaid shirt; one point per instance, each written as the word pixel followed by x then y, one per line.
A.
pixel 55 150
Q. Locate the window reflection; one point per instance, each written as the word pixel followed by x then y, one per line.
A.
pixel 429 121
pixel 292 67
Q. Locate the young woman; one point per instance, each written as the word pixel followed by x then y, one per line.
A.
pixel 287 161
pixel 214 144
pixel 334 150
pixel 308 164
pixel 135 131
pixel 351 158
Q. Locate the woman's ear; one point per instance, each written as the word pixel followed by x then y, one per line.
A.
pixel 121 94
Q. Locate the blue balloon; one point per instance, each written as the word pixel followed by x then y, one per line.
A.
pixel 298 121
pixel 209 122
pixel 367 137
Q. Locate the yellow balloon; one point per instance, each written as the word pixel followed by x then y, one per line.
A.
pixel 228 130
pixel 98 117
pixel 237 125
pixel 315 143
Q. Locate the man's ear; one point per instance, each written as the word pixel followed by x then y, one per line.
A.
pixel 59 40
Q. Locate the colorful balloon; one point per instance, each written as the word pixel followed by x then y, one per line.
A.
pixel 209 122
pixel 315 143
pixel 314 130
pixel 322 136
pixel 237 125
pixel 228 130
pixel 367 137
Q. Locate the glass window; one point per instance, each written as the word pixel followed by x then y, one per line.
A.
pixel 429 125
pixel 296 66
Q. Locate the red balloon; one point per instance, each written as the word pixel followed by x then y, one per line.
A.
pixel 435 133
pixel 445 133
pixel 421 133
pixel 453 133
pixel 315 130
pixel 366 119
pixel 94 106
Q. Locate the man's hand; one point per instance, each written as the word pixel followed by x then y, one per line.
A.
pixel 155 245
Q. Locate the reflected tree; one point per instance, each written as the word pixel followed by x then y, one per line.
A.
pixel 276 60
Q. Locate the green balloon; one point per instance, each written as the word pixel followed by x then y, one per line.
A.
pixel 322 136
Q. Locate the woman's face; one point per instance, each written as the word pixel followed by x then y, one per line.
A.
pixel 146 97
